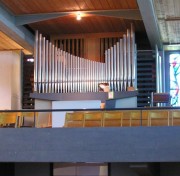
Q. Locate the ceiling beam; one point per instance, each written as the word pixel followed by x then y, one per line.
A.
pixel 32 18
pixel 150 22
pixel 133 14
pixel 19 34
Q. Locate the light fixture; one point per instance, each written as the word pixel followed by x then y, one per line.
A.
pixel 30 60
pixel 78 16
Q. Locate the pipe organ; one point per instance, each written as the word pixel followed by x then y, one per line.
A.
pixel 57 71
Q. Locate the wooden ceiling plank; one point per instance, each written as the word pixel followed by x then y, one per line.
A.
pixel 104 4
pixel 132 4
pixel 111 4
pixel 73 6
pixel 82 4
pixel 9 41
pixel 7 44
pixel 124 5
pixel 90 4
pixel 61 5
pixel 16 7
pixel 97 5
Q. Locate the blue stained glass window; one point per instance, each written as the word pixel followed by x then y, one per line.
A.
pixel 174 61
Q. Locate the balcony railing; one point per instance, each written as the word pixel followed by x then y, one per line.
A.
pixel 81 118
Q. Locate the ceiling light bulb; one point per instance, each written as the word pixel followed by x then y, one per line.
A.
pixel 78 16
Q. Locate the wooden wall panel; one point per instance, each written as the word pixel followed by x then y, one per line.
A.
pixel 92 49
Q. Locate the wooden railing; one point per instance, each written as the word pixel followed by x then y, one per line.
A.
pixel 124 117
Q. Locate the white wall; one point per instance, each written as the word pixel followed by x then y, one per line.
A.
pixel 10 80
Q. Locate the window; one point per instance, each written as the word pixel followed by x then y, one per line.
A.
pixel 174 61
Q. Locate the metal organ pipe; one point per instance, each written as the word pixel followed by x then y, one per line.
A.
pixel 125 64
pixel 36 44
pixel 46 66
pixel 56 71
pixel 121 60
pixel 39 71
pixel 128 59
pixel 118 66
pixel 133 56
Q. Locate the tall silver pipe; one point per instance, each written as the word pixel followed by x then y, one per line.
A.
pixel 55 70
pixel 125 64
pixel 67 71
pixel 39 64
pixel 36 62
pixel 93 76
pixel 89 77
pixel 52 66
pixel 133 56
pixel 96 76
pixel 115 67
pixel 71 72
pixel 111 69
pixel 157 71
pixel 106 66
pixel 78 73
pixel 118 66
pixel 128 59
pixel 64 71
pixel 85 75
pixel 46 66
pixel 58 70
pixel 102 78
pixel 61 71
pixel 121 71
pixel 75 75
pixel 43 63
pixel 86 83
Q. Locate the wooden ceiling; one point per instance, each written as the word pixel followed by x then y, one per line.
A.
pixel 6 43
pixel 110 18
pixel 68 24
pixel 19 7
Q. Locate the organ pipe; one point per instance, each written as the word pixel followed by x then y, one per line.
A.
pixel 57 71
